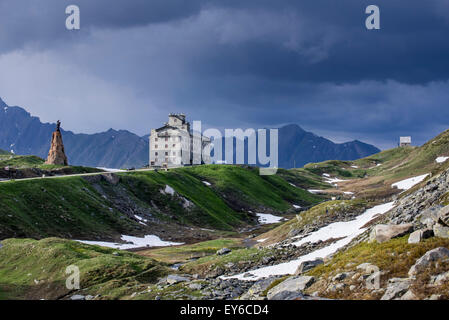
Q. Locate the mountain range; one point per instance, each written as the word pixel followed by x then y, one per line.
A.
pixel 22 133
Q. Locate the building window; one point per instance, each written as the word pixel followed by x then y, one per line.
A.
pixel 166 146
pixel 174 145
pixel 155 139
pixel 166 153
pixel 156 153
pixel 174 153
pixel 166 159
pixel 155 147
pixel 166 139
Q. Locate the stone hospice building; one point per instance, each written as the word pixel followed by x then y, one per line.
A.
pixel 174 144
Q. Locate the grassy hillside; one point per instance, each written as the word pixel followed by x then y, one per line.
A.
pixel 394 258
pixel 66 207
pixel 178 254
pixel 371 177
pixel 101 207
pixel 31 166
pixel 3 152
pixel 31 269
pixel 20 161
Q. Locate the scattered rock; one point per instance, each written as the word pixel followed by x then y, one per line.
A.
pixel 290 288
pixel 196 286
pixel 174 278
pixel 418 235
pixel 409 295
pixel 223 251
pixel 367 268
pixel 441 279
pixel 396 288
pixel 441 231
pixel 383 232
pixel 340 276
pixel 308 265
pixel 443 216
pixel 429 257
pixel 256 290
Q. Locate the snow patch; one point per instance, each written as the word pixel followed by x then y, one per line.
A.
pixel 136 242
pixel 262 240
pixel 266 218
pixel 207 183
pixel 355 167
pixel 349 230
pixel 296 206
pixel 315 191
pixel 409 183
pixel 326 175
pixel 334 180
pixel 169 190
pixel 140 218
pixel 441 159
pixel 111 169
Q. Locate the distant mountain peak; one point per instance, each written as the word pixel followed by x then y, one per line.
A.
pixel 30 136
pixel 2 103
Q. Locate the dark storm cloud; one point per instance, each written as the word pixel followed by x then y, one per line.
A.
pixel 232 63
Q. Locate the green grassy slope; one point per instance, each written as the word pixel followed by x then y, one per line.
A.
pixel 4 153
pixel 20 161
pixel 95 208
pixel 67 207
pixel 27 165
pixel 31 269
pixel 392 164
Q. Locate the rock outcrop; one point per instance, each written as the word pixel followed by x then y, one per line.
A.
pixel 383 232
pixel 430 256
pixel 56 155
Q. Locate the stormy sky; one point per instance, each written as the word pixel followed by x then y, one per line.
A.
pixel 231 63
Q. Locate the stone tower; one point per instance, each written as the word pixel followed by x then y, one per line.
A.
pixel 56 155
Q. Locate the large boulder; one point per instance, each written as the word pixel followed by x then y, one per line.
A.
pixel 385 232
pixel 430 256
pixel 429 216
pixel 223 251
pixel 256 290
pixel 174 278
pixel 308 265
pixel 441 231
pixel 396 288
pixel 443 216
pixel 418 235
pixel 291 288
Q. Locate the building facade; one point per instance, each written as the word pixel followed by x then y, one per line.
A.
pixel 175 144
pixel 405 141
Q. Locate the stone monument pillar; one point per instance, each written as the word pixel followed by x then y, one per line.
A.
pixel 56 155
